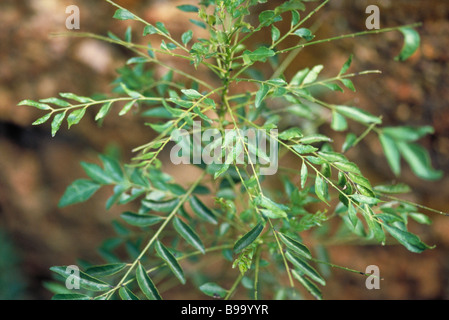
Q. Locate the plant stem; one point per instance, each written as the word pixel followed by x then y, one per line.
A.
pixel 343 268
pixel 158 232
pixel 234 286
pixel 256 273
pixel 351 35
pixel 133 47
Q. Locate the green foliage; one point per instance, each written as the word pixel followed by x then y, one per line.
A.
pixel 230 211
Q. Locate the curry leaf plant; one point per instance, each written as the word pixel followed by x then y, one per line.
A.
pixel 265 234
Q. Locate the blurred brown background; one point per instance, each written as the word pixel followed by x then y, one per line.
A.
pixel 35 169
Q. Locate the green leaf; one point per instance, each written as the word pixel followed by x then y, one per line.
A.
pixel 290 5
pixel 348 84
pixel 79 191
pixel 56 123
pixel 261 94
pixel 338 122
pixel 407 133
pixel 106 269
pixel 133 94
pixel 260 54
pixel 303 149
pixel 159 112
pixel 358 115
pixel 96 173
pixel 213 290
pixel 332 86
pixel 351 138
pixel 411 43
pixel 136 60
pixel 85 280
pixel 275 33
pixel 55 101
pixel 248 238
pixel 192 94
pixel 76 116
pixel 391 153
pixel 268 17
pixel 290 134
pixel 312 75
pixel 305 268
pixel 304 174
pixel 273 214
pixel 128 34
pixel 70 296
pixel 198 112
pixel 365 199
pixel 161 127
pixel 374 225
pixel 188 8
pixel 332 157
pixel 419 161
pixel 42 120
pixel 393 189
pixel 316 160
pixel 146 284
pixel 222 169
pixel 123 14
pixel 314 138
pixel 161 27
pixel 161 206
pixel 320 188
pixel 187 37
pixel 346 65
pixel 308 285
pixel 171 261
pixel 299 77
pixel 188 234
pixel 198 23
pixel 352 214
pixel 126 108
pixel 140 220
pixel 38 105
pixel 304 33
pixel 149 29
pixel 360 180
pixel 389 216
pixel 57 287
pixel 295 18
pixel 112 168
pixel 420 218
pixel 326 170
pixel 113 36
pixel 347 166
pixel 273 210
pixel 202 211
pixel 120 229
pixel 295 246
pixel 183 103
pixel 168 46
pixel 103 110
pixel 407 239
pixel 72 96
pixel 126 294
